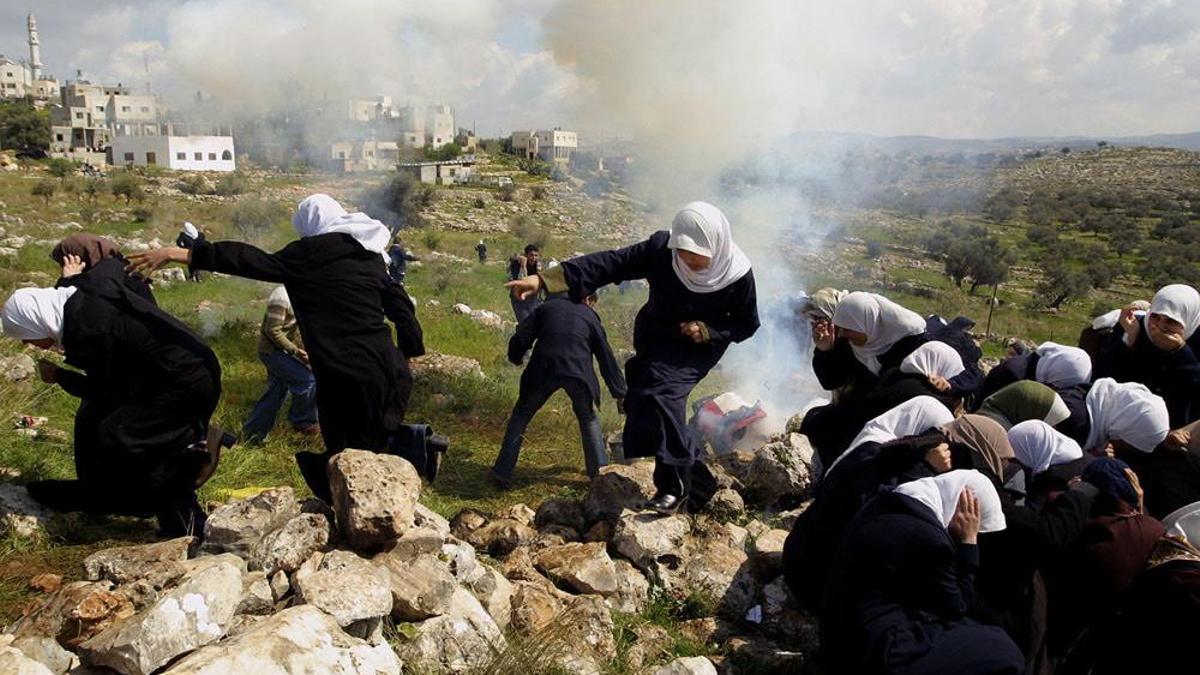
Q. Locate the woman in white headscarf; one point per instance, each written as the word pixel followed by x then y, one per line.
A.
pixel 702 299
pixel 869 334
pixel 902 582
pixel 337 278
pixel 1129 413
pixel 915 416
pixel 147 388
pixel 1038 446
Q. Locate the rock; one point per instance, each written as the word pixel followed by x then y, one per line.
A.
pixel 721 570
pixel 445 364
pixel 781 471
pixel 17 368
pixel 633 589
pixel 347 588
pixel 705 630
pixel 240 526
pixel 649 540
pixel 421 587
pixel 590 625
pixel 417 541
pixel 374 497
pixel 287 547
pixel 125 564
pixel 467 521
pixel 601 531
pixel 500 537
pixel 786 520
pixel 494 592
pixel 651 641
pixel 46 651
pixel 428 519
pixel 257 597
pixel 768 552
pixel 462 639
pixel 784 620
pixel 561 512
pixel 76 612
pixel 196 612
pixel 46 582
pixel 520 513
pixel 14 662
pixel 280 586
pixel 583 568
pixel 534 607
pixel 20 515
pixel 726 503
pixel 760 655
pixel 550 533
pixel 690 665
pixel 461 557
pixel 518 566
pixel 618 487
pixel 297 640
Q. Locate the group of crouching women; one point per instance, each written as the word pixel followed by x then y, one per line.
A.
pixel 1042 517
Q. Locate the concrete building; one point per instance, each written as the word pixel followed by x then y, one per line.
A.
pixel 184 153
pixel 91 115
pixel 19 79
pixel 358 156
pixel 439 125
pixel 467 140
pixel 459 170
pixel 412 126
pixel 551 145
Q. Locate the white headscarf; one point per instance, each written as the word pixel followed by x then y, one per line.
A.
pixel 1185 522
pixel 933 358
pixel 35 313
pixel 1125 411
pixel 914 416
pixel 701 228
pixel 322 214
pixel 191 231
pixel 1109 319
pixel 1061 367
pixel 1040 446
pixel 1179 302
pixel 940 494
pixel 881 320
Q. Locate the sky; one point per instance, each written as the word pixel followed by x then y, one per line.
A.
pixel 688 68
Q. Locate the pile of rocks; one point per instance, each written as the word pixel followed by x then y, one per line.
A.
pixel 378 582
pixel 484 317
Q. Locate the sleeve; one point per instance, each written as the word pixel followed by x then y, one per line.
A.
pixel 743 321
pixel 951 578
pixel 522 340
pixel 967 384
pixel 76 384
pixel 1052 529
pixel 966 565
pixel 1182 393
pixel 272 327
pixel 835 367
pixel 585 275
pixel 610 370
pixel 399 309
pixel 243 260
pixel 1111 353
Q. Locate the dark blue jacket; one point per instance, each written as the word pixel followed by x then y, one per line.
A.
pixel 565 336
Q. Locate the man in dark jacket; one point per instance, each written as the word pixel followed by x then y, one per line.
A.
pixel 519 267
pixel 567 336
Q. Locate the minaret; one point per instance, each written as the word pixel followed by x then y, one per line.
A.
pixel 35 52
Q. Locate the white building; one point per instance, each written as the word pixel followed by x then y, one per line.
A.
pixel 412 127
pixel 91 115
pixel 183 153
pixel 439 125
pixel 551 145
pixel 18 79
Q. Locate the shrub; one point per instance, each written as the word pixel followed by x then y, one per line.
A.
pixel 44 189
pixel 92 188
pixel 480 203
pixel 539 192
pixel 127 185
pixel 194 184
pixel 253 217
pixel 143 214
pixel 508 193
pixel 432 239
pixel 231 184
pixel 60 168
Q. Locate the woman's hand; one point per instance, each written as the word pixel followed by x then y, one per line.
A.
pixel 1129 322
pixel 823 334
pixel 47 371
pixel 523 288
pixel 940 383
pixel 157 258
pixel 1137 488
pixel 72 265
pixel 1178 439
pixel 965 523
pixel 694 331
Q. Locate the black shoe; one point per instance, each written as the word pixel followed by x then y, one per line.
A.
pixel 500 481
pixel 666 503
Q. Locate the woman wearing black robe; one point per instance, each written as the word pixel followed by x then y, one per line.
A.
pixel 80 253
pixel 702 299
pixel 868 335
pixel 337 279
pixel 903 581
pixel 147 390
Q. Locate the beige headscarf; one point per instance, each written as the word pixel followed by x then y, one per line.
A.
pixel 983 435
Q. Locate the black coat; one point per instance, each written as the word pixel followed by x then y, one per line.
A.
pixel 565 336
pixel 898 596
pixel 1010 370
pixel 839 368
pixel 135 282
pixel 341 294
pixel 1175 376
pixel 667 365
pixel 810 546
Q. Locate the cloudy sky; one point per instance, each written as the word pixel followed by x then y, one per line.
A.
pixel 710 69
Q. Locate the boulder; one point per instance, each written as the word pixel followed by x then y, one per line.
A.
pixel 17 368
pixel 618 487
pixel 158 561
pixel 561 512
pixel 46 582
pixel 446 365
pixel 421 587
pixel 726 503
pixel 76 612
pixel 494 592
pixel 781 472
pixel 767 552
pixel 461 557
pixel 46 651
pixel 20 515
pixel 462 639
pixel 196 612
pixel 257 597
pixel 297 640
pixel 650 642
pixel 467 521
pixel 534 607
pixel 590 626
pixel 346 587
pixel 783 619
pixel 633 589
pixel 690 665
pixel 518 566
pixel 428 519
pixel 601 531
pixel 500 537
pixel 14 662
pixel 374 497
pixel 520 513
pixel 649 540
pixel 280 586
pixel 720 570
pixel 240 526
pixel 286 548
pixel 581 568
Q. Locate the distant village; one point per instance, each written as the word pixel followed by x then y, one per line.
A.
pixel 111 124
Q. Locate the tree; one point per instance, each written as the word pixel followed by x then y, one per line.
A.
pixel 444 153
pixel 127 185
pixel 44 189
pixel 254 216
pixel 1061 283
pixel 60 168
pixel 1041 235
pixel 23 127
pixel 977 256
